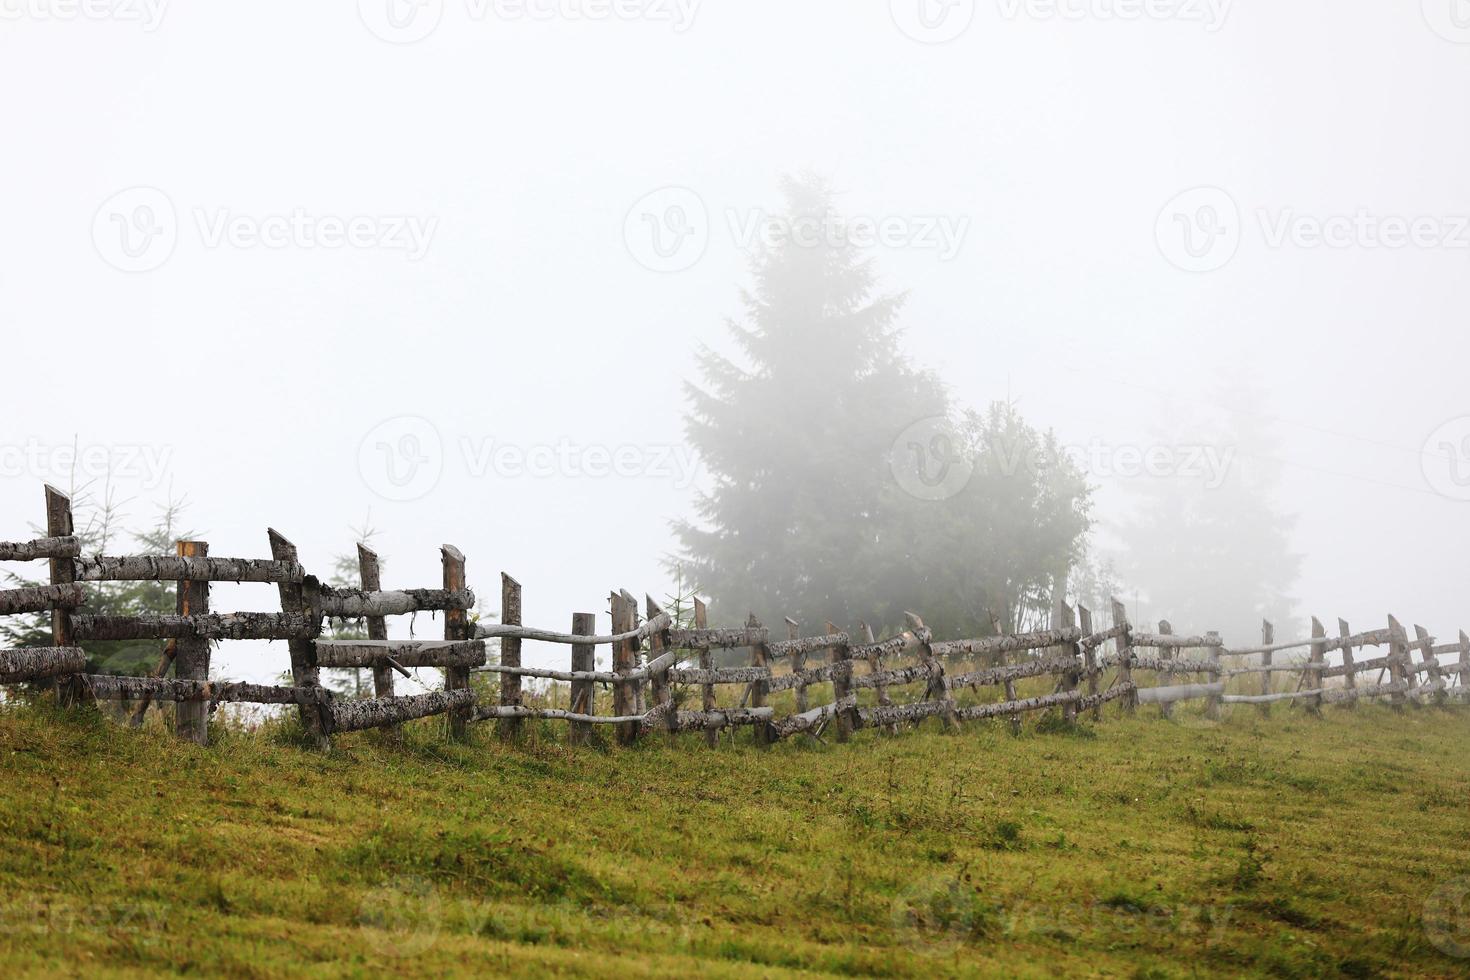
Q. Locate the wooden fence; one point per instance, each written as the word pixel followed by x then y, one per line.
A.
pixel 658 666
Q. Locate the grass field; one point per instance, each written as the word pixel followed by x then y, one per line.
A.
pixel 1140 848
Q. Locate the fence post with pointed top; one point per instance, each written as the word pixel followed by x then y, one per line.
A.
pixel 1166 709
pixel 1436 676
pixel 706 662
pixel 840 655
pixel 798 664
pixel 1125 657
pixel 623 656
pixel 1089 658
pixel 584 658
pixel 370 573
pixel 456 627
pixel 1349 669
pixel 191 655
pixel 759 690
pixel 1398 653
pixel 1212 700
pixel 63 571
pixel 304 672
pixel 509 729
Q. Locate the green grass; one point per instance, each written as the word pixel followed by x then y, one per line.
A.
pixel 1135 848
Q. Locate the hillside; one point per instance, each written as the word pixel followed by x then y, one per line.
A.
pixel 1285 846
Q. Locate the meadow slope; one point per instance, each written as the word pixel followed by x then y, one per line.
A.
pixel 1285 846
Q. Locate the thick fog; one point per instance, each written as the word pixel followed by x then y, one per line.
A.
pixel 447 266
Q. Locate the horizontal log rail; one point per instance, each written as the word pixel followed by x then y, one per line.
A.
pixel 975 712
pixel 1179 692
pixel 215 626
pixel 40 663
pixel 718 639
pixel 815 718
pixel 905 642
pixel 1036 667
pixel 1160 641
pixel 807 644
pixel 1372 638
pixel 60 547
pixel 119 688
pixel 494 631
pixel 1094 640
pixel 172 568
pixel 1011 643
pixel 403 653
pixel 352 716
pixel 41 598
pixel 1161 665
pixel 359 603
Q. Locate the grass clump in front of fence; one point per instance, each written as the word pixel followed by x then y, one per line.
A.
pixel 1286 846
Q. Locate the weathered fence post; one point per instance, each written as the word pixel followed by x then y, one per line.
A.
pixel 370 572
pixel 840 656
pixel 1212 700
pixel 304 672
pixel 510 656
pixel 456 627
pixel 875 666
pixel 191 655
pixel 1464 660
pixel 1398 658
pixel 759 690
pixel 798 664
pixel 1124 643
pixel 661 693
pixel 584 658
pixel 706 662
pixel 1313 674
pixel 1436 676
pixel 63 571
pixel 939 686
pixel 1166 709
pixel 1268 637
pixel 1089 654
pixel 1349 670
pixel 1071 678
pixel 637 686
pixel 624 653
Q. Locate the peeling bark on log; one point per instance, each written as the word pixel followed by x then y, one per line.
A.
pixel 60 547
pixel 584 659
pixel 716 639
pixel 806 645
pixel 1125 658
pixel 41 598
pixel 455 598
pixel 1094 702
pixel 1092 641
pixel 370 577
pixel 1377 663
pixel 1161 665
pixel 895 714
pixel 119 688
pixel 1013 643
pixel 1013 672
pixel 304 673
pixel 191 653
pixel 706 662
pixel 509 729
pixel 40 663
pixel 216 626
pixel 494 631
pixel 894 646
pixel 1370 638
pixel 726 718
pixel 1017 707
pixel 813 718
pixel 491 712
pixel 182 568
pixel 361 654
pixel 899 677
pixel 353 716
pixel 356 603
pixel 730 675
pixel 1168 641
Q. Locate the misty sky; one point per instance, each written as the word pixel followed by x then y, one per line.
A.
pixel 343 234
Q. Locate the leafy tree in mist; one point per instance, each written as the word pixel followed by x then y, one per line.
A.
pixel 805 518
pixel 1217 557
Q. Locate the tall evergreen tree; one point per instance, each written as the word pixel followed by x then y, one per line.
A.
pixel 797 434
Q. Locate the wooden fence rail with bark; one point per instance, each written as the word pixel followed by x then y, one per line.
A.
pixel 652 689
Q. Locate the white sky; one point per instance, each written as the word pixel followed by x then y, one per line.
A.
pixel 527 321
